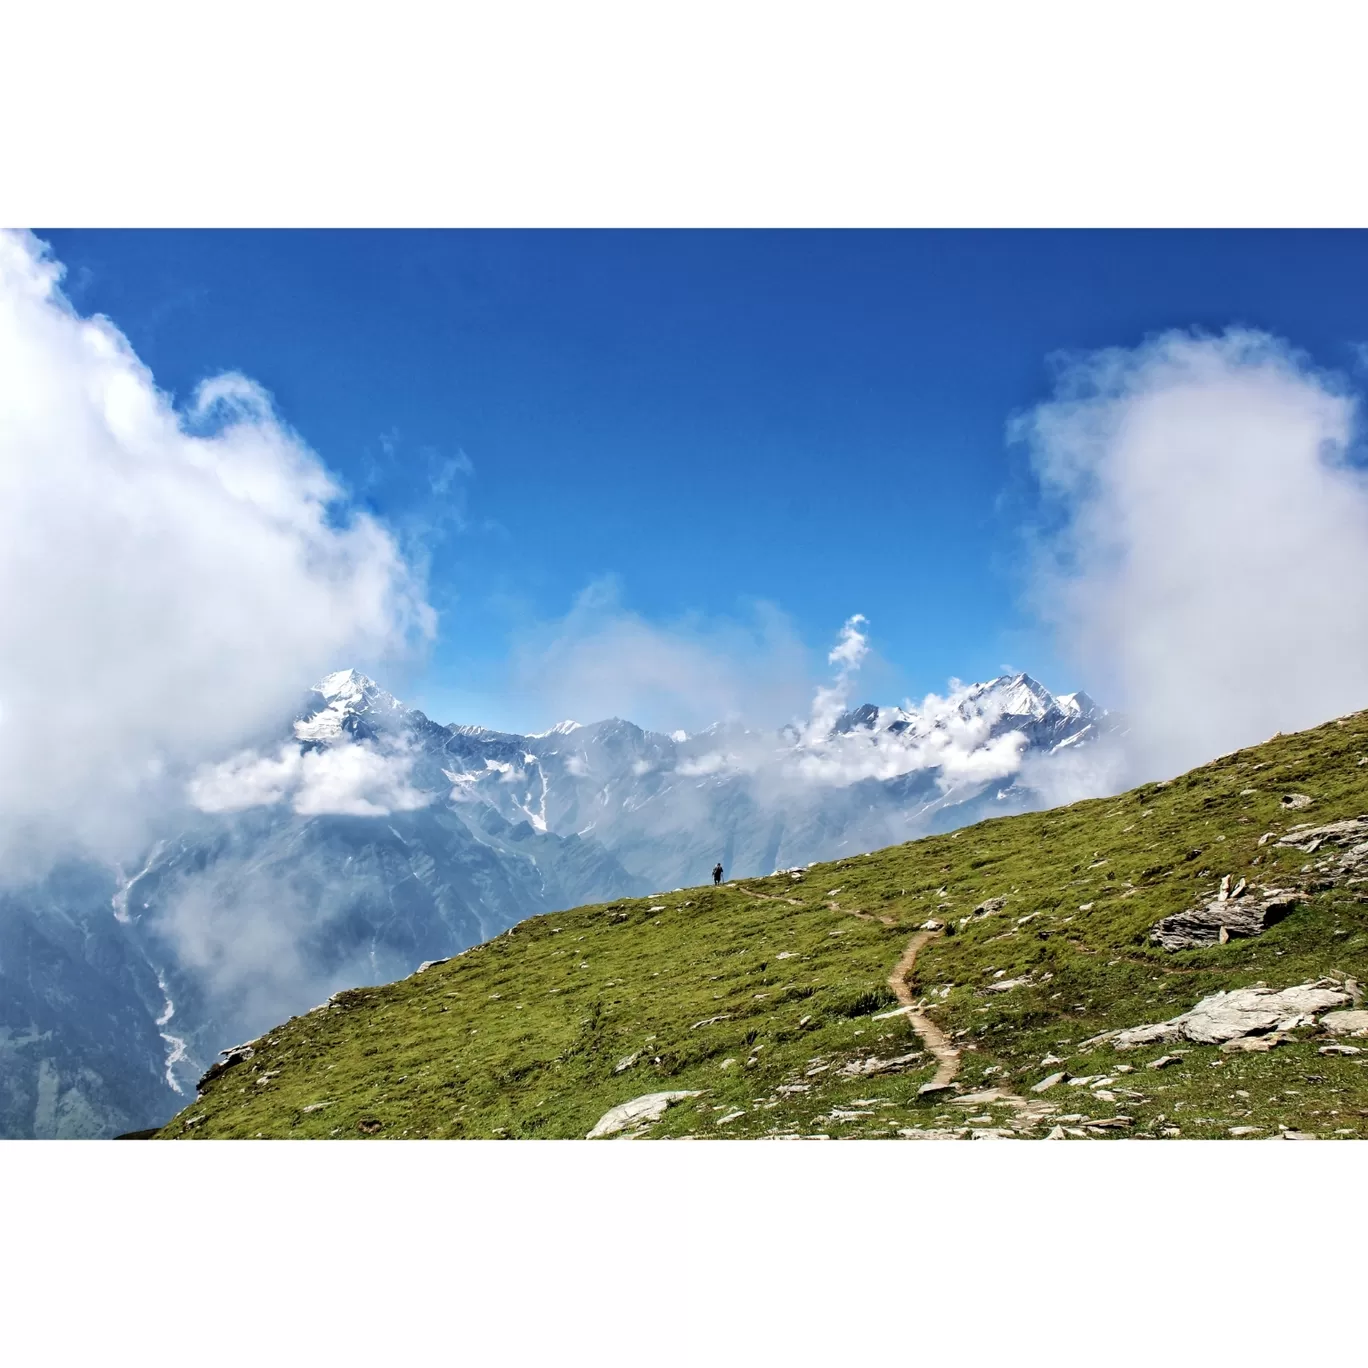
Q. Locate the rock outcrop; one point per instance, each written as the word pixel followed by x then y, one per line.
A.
pixel 1349 865
pixel 637 1113
pixel 1243 911
pixel 1236 1015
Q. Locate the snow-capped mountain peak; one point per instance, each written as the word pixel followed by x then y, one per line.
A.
pixel 350 696
pixel 560 729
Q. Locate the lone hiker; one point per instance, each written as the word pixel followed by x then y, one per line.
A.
pixel 717 872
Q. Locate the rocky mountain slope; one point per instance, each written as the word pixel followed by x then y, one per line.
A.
pixel 1017 977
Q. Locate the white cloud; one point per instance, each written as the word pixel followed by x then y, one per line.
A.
pixel 1209 568
pixel 604 660
pixel 167 580
pixel 346 778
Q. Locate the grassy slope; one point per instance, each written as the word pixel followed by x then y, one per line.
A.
pixel 520 1036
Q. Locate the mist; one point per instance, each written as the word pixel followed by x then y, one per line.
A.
pixel 171 578
pixel 1205 562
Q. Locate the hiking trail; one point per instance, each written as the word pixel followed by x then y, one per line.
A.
pixel 935 1040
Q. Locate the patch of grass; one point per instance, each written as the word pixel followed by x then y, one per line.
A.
pixel 758 993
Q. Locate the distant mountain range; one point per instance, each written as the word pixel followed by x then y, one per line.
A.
pixel 371 838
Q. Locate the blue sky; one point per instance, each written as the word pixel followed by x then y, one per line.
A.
pixel 688 424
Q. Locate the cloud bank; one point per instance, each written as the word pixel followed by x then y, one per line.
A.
pixel 167 578
pixel 347 778
pixel 1207 567
pixel 604 660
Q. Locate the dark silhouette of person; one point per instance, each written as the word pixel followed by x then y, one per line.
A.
pixel 717 872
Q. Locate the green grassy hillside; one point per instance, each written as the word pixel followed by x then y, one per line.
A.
pixel 770 998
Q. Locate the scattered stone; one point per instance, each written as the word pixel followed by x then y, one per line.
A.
pixel 988 907
pixel 1164 1061
pixel 315 1106
pixel 1050 1059
pixel 1339 1050
pixel 884 1016
pixel 928 1089
pixel 624 1064
pixel 1046 1084
pixel 730 1116
pixel 727 1063
pixel 1057 1134
pixel 713 1020
pixel 1228 914
pixel 1238 1131
pixel 917 1133
pixel 431 964
pixel 931 924
pixel 1295 801
pixel 1346 1023
pixel 1085 907
pixel 1006 985
pixel 1245 1011
pixel 1110 1123
pixel 637 1113
pixel 1291 1135
pixel 865 1068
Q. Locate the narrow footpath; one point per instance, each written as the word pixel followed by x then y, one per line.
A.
pixel 935 1040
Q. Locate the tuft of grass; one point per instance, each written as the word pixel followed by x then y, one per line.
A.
pixel 758 993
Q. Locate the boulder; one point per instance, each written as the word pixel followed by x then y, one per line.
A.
pixel 1246 912
pixel 1243 1012
pixel 234 1054
pixel 865 1068
pixel 1346 1023
pixel 1309 837
pixel 640 1111
pixel 989 906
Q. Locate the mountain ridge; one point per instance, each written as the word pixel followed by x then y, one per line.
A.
pixel 1063 979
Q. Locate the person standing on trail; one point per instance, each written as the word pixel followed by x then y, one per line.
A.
pixel 717 873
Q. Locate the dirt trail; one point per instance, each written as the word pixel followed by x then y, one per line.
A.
pixel 769 897
pixel 1029 1113
pixel 935 1040
pixel 835 907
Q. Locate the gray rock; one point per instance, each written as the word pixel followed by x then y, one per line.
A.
pixel 234 1054
pixel 1225 916
pixel 865 1068
pixel 989 906
pixel 640 1111
pixel 1243 1012
pixel 1046 1084
pixel 1346 1023
pixel 1350 831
